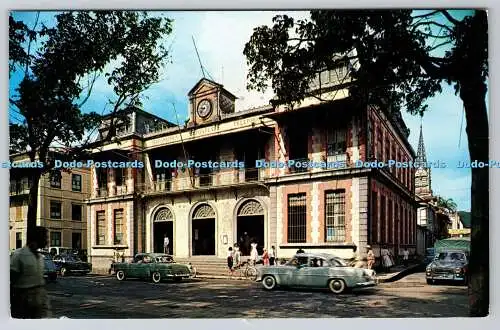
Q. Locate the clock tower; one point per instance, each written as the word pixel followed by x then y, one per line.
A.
pixel 423 172
pixel 209 102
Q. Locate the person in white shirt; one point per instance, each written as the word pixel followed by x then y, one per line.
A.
pixel 254 255
pixel 406 255
pixel 166 243
pixel 28 297
pixel 272 255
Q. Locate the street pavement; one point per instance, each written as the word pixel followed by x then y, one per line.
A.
pixel 106 297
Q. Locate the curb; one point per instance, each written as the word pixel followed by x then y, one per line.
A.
pixel 396 277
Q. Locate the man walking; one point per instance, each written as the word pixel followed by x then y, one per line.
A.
pixel 406 254
pixel 28 297
pixel 166 243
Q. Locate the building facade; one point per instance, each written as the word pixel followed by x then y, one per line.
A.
pixel 340 208
pixel 61 208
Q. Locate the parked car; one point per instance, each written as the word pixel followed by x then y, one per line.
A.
pixel 316 271
pixel 70 264
pixel 152 266
pixel 50 270
pixel 448 266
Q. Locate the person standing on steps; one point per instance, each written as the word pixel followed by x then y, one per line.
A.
pixel 166 243
pixel 230 261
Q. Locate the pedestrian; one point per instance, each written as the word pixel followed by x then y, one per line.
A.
pixel 265 257
pixel 246 243
pixel 28 297
pixel 406 254
pixel 300 250
pixel 237 257
pixel 166 243
pixel 254 255
pixel 370 257
pixel 230 261
pixel 272 255
pixel 386 259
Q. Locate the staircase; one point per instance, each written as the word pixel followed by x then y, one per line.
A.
pixel 206 265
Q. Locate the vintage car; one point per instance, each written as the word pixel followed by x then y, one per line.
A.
pixel 448 266
pixel 71 264
pixel 50 270
pixel 316 271
pixel 152 266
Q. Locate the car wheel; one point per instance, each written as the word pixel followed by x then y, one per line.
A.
pixel 120 275
pixel 63 271
pixel 251 273
pixel 336 286
pixel 269 282
pixel 156 277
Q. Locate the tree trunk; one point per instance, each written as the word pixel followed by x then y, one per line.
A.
pixel 34 177
pixel 473 96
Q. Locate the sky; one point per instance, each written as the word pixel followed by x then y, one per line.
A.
pixel 220 38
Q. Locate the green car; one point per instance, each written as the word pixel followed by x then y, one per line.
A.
pixel 152 266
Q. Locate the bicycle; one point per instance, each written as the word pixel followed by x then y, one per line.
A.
pixel 249 271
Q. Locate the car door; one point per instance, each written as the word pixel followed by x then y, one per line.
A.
pixel 318 273
pixel 301 275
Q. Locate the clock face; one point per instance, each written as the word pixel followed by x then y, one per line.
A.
pixel 204 108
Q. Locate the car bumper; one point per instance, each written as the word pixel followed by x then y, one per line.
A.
pixel 368 284
pixel 445 277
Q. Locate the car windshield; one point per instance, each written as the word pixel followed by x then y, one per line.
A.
pixel 165 259
pixel 297 261
pixel 338 262
pixel 451 256
pixel 70 257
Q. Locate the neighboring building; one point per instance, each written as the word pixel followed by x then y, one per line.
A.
pixel 203 211
pixel 460 224
pixel 61 206
pixel 426 213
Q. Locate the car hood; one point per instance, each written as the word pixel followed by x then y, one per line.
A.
pixel 447 264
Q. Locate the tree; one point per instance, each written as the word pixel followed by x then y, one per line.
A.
pixel 80 47
pixel 397 58
pixel 447 204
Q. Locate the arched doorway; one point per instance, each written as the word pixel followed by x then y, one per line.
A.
pixel 203 231
pixel 250 226
pixel 163 224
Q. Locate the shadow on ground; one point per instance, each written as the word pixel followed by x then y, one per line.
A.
pixel 108 298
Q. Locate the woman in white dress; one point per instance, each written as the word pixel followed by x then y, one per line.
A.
pixel 253 253
pixel 386 259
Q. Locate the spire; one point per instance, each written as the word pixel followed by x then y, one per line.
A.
pixel 421 157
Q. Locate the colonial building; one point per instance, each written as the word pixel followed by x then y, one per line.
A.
pixel 204 210
pixel 61 206
pixel 460 224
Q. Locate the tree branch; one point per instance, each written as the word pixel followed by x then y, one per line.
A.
pixel 449 17
pixel 426 15
pixel 29 43
pixel 439 45
pixel 89 91
pixel 414 27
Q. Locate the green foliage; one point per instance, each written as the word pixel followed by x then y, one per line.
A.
pixel 387 51
pixel 447 204
pixel 82 46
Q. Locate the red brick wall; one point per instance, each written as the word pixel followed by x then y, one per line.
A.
pixel 402 227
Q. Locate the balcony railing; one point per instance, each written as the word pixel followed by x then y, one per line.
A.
pixel 215 179
pixel 297 166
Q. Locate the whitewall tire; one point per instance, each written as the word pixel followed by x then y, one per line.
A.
pixel 336 286
pixel 156 277
pixel 269 282
pixel 120 275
